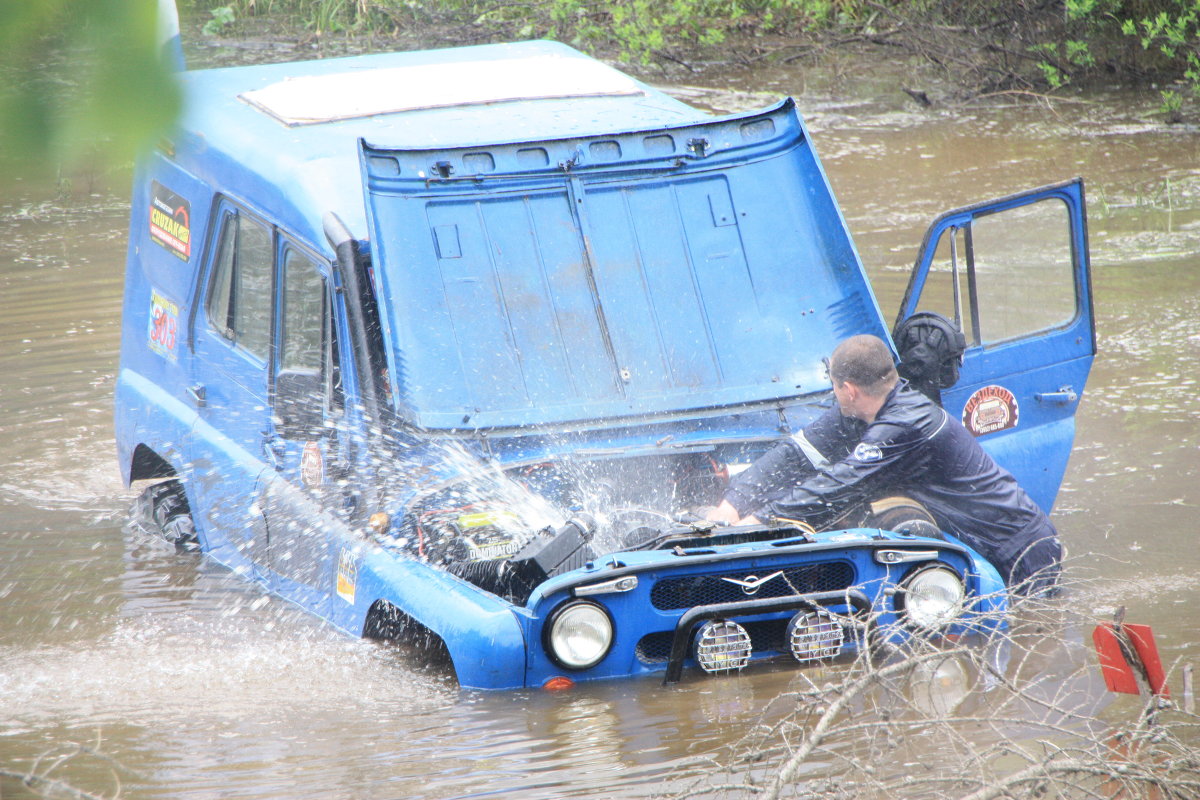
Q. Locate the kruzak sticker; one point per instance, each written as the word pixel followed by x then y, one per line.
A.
pixel 163 325
pixel 990 409
pixel 170 221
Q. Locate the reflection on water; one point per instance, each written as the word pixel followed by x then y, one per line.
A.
pixel 200 686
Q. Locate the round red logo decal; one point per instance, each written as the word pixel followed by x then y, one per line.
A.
pixel 990 409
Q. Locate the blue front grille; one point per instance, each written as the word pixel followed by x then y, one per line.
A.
pixel 765 636
pixel 688 591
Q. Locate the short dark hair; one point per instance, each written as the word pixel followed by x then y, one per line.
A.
pixel 866 361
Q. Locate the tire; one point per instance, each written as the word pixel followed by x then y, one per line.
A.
pixel 162 510
pixel 903 515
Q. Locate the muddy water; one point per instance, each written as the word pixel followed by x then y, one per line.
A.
pixel 158 675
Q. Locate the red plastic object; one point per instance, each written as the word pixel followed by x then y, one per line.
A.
pixel 1118 672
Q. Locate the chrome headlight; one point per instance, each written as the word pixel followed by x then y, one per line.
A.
pixel 933 597
pixel 578 635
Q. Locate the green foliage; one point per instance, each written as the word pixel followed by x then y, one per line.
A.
pixel 1091 11
pixel 1068 41
pixel 1047 63
pixel 1079 54
pixel 222 18
pixel 1174 34
pixel 80 79
pixel 638 29
pixel 1172 103
pixel 1053 75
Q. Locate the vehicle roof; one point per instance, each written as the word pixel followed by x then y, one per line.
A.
pixel 286 135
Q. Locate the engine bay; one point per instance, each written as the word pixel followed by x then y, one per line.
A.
pixel 507 531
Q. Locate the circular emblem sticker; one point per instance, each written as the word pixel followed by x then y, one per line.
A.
pixel 312 465
pixel 990 409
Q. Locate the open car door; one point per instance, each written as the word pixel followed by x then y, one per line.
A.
pixel 1013 275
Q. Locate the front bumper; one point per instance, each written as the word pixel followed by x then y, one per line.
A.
pixel 686 626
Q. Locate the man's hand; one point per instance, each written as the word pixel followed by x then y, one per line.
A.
pixel 724 513
pixel 727 514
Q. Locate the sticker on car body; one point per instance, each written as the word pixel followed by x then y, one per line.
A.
pixel 990 409
pixel 163 325
pixel 170 221
pixel 312 465
pixel 347 575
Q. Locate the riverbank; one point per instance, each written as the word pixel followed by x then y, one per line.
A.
pixel 964 53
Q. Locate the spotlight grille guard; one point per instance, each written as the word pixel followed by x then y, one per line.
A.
pixel 813 602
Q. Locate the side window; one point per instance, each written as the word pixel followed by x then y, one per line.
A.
pixel 220 292
pixel 1020 254
pixel 252 299
pixel 239 296
pixel 984 273
pixel 300 341
pixel 307 381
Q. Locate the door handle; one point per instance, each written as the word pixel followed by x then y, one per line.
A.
pixel 272 448
pixel 198 395
pixel 1063 397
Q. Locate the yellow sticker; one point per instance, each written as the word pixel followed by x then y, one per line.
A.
pixel 347 575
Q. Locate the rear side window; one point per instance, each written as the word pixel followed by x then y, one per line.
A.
pixel 239 297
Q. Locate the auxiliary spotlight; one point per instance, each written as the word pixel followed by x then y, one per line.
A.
pixel 813 635
pixel 722 646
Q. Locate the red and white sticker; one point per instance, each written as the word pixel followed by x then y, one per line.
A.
pixel 163 329
pixel 312 465
pixel 990 409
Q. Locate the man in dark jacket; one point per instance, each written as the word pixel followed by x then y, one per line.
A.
pixel 885 438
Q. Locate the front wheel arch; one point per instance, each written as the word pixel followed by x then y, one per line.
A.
pixel 146 464
pixel 387 623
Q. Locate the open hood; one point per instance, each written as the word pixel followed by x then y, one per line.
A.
pixel 614 276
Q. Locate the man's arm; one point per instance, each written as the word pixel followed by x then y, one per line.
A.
pixel 771 475
pixel 790 461
pixel 877 463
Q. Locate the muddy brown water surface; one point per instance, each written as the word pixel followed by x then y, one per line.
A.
pixel 164 676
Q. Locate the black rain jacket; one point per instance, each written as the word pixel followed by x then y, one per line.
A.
pixel 913 448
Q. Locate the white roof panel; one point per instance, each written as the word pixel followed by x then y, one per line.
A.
pixel 314 99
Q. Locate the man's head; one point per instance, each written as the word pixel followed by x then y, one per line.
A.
pixel 863 373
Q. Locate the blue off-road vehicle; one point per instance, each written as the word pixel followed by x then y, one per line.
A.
pixel 455 348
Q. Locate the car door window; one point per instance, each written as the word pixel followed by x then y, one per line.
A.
pixel 1005 276
pixel 220 293
pixel 252 303
pixel 1023 265
pixel 307 380
pixel 303 317
pixel 239 297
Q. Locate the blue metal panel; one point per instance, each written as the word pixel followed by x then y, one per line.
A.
pixel 635 615
pixel 597 289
